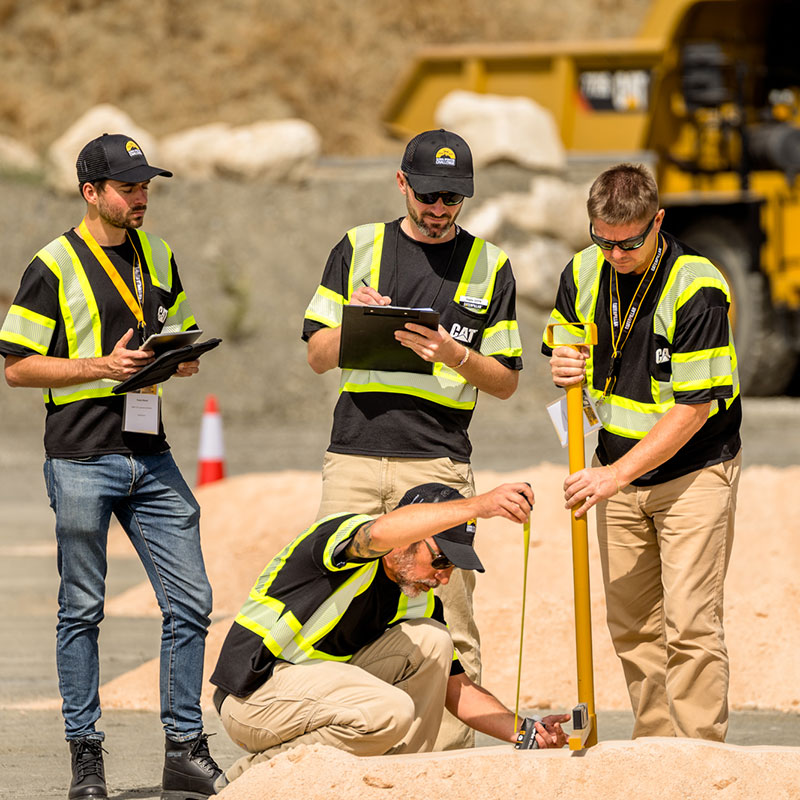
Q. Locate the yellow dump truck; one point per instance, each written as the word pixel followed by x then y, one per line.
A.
pixel 709 93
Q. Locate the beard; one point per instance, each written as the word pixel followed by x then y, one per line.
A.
pixel 119 218
pixel 404 567
pixel 429 224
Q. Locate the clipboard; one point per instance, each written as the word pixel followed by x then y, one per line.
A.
pixel 165 366
pixel 367 340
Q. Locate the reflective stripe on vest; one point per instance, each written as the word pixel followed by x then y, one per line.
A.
pixel 445 386
pixel 29 329
pixel 695 371
pixel 289 639
pixel 365 265
pixel 80 313
pixel 158 257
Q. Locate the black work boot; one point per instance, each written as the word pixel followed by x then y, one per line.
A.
pixel 88 775
pixel 190 773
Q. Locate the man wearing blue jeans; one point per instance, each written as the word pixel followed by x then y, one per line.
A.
pixel 86 304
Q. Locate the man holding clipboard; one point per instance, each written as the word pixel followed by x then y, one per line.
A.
pixel 395 429
pixel 86 303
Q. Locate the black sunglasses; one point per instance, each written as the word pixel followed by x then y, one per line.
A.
pixel 631 243
pixel 448 198
pixel 438 560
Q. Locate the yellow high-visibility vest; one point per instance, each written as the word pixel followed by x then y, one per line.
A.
pixel 291 640
pixel 80 314
pixel 690 372
pixel 445 386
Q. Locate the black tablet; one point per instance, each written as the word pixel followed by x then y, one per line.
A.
pixel 161 342
pixel 165 366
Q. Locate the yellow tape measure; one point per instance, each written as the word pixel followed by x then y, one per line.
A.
pixel 526 542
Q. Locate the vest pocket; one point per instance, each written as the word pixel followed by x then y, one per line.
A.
pixel 463 325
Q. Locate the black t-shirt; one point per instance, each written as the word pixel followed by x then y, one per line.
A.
pixel 701 324
pixel 420 275
pixel 93 426
pixel 298 580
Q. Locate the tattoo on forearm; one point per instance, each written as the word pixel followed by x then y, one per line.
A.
pixel 361 544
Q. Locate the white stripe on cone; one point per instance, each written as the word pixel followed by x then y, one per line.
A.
pixel 211 453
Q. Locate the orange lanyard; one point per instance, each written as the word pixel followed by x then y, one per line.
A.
pixel 133 303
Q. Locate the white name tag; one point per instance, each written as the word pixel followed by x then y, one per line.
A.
pixel 558 416
pixel 473 302
pixel 142 411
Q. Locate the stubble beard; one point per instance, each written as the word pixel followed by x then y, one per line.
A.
pixel 118 218
pixel 404 565
pixel 425 229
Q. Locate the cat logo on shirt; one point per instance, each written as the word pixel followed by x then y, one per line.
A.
pixel 662 355
pixel 462 333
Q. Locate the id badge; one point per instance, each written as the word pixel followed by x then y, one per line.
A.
pixel 558 416
pixel 142 413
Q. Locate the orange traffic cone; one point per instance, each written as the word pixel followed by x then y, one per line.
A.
pixel 211 454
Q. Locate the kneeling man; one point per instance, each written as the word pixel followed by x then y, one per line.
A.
pixel 342 641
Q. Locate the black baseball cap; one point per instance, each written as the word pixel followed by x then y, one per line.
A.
pixel 115 156
pixel 438 161
pixel 455 543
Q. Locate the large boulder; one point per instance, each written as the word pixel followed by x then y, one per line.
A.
pixel 553 207
pixel 537 265
pixel 540 230
pixel 193 153
pixel 278 150
pixel 487 219
pixel 497 128
pixel 16 157
pixel 104 118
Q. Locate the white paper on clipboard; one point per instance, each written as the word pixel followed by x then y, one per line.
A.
pixel 557 410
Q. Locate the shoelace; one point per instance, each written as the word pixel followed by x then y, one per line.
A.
pixel 89 759
pixel 199 752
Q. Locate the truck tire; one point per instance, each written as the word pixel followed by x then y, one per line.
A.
pixel 766 361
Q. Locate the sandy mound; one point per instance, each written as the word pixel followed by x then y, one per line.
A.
pixel 248 518
pixel 649 769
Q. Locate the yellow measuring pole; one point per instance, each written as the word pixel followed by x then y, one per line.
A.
pixel 584 723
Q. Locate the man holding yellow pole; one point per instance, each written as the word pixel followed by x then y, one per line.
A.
pixel 664 381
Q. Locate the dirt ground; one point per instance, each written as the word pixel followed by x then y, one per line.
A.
pixel 247 517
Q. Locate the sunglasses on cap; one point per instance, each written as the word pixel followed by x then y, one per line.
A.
pixel 448 198
pixel 631 243
pixel 438 560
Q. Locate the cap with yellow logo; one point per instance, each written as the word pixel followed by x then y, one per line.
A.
pixel 438 161
pixel 117 157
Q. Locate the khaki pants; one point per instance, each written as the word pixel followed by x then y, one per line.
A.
pixel 375 485
pixel 664 552
pixel 387 699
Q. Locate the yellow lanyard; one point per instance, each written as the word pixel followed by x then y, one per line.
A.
pixel 133 303
pixel 621 330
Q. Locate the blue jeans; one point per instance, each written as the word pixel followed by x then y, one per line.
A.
pixel 152 502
